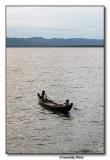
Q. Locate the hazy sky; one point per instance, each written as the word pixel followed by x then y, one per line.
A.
pixel 57 22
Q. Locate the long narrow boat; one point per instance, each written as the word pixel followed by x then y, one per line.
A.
pixel 49 104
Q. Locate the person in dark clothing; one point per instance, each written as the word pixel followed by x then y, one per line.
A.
pixel 67 103
pixel 43 94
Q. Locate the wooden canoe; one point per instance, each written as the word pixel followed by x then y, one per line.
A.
pixel 49 104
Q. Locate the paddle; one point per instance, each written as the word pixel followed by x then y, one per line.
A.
pixel 49 98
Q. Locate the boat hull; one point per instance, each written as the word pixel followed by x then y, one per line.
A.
pixel 54 106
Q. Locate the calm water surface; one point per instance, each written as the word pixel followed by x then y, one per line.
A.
pixel 74 73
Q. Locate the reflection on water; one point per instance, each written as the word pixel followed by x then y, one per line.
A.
pixel 65 115
pixel 65 73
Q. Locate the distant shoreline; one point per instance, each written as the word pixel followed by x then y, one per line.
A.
pixel 53 42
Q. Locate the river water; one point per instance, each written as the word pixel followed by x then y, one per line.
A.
pixel 73 73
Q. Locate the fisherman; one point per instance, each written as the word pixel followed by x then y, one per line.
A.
pixel 67 103
pixel 43 95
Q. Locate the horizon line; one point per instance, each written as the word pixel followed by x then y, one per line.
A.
pixel 58 38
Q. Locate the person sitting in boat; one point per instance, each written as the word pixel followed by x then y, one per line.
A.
pixel 67 103
pixel 43 95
